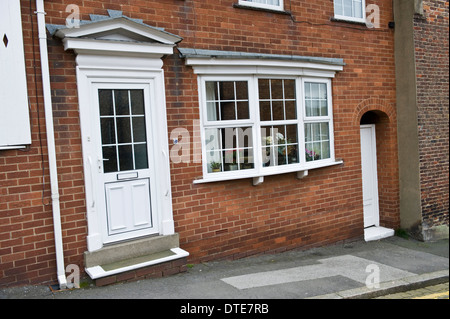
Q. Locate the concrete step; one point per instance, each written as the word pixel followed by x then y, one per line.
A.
pixel 127 265
pixel 128 257
pixel 377 233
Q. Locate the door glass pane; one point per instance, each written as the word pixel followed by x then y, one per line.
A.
pixel 126 157
pixel 123 133
pixel 139 133
pixel 109 159
pixel 141 157
pixel 106 102
pixel 137 102
pixel 121 102
pixel 123 130
pixel 108 131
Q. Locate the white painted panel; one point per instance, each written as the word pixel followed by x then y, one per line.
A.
pixel 14 119
pixel 128 206
pixel 141 204
pixel 116 200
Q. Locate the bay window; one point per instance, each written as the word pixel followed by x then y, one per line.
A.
pixel 263 114
pixel 263 125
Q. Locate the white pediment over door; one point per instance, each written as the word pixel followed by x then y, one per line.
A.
pixel 116 34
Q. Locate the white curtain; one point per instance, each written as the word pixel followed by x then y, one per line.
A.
pixel 271 2
pixel 212 135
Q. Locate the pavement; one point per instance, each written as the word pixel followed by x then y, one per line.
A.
pixel 356 270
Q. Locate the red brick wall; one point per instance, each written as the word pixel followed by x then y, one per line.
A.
pixel 432 65
pixel 220 220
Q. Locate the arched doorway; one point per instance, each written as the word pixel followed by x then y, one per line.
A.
pixel 378 161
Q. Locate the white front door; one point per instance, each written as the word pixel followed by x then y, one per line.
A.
pixel 125 170
pixel 369 175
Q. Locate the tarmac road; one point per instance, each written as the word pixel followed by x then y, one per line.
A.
pixel 344 271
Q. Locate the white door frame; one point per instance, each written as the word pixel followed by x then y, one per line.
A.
pixel 121 70
pixel 369 176
pixel 110 182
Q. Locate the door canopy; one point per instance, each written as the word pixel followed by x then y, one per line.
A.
pixel 115 34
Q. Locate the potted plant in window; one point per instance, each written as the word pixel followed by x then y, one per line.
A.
pixel 231 160
pixel 215 166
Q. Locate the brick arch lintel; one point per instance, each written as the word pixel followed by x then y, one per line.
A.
pixel 374 104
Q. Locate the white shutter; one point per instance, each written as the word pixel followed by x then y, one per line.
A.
pixel 14 112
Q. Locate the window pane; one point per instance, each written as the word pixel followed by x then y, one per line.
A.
pixel 357 9
pixel 246 159
pixel 212 110
pixel 226 90
pixel 227 111
pixel 317 141
pixel 140 155
pixel 121 102
pixel 109 159
pixel 308 90
pixel 139 132
pixel 264 89
pixel 270 2
pixel 227 101
pixel 267 156
pixel 291 110
pixel 292 154
pixel 316 99
pixel 291 134
pixel 242 90
pixel 338 9
pixel 126 157
pixel 229 149
pixel 243 111
pixel 265 111
pixel 108 131
pixel 137 102
pixel 212 139
pixel 278 110
pixel 277 89
pixel 278 97
pixel 214 161
pixel 106 102
pixel 289 89
pixel 123 130
pixel 325 131
pixel 348 7
pixel 211 91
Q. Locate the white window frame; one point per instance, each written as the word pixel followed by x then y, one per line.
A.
pixel 250 3
pixel 258 172
pixel 351 18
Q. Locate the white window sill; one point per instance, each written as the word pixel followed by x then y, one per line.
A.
pixel 258 176
pixel 337 18
pixel 12 147
pixel 256 7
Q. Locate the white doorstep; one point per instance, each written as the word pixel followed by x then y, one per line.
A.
pixel 97 272
pixel 376 233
